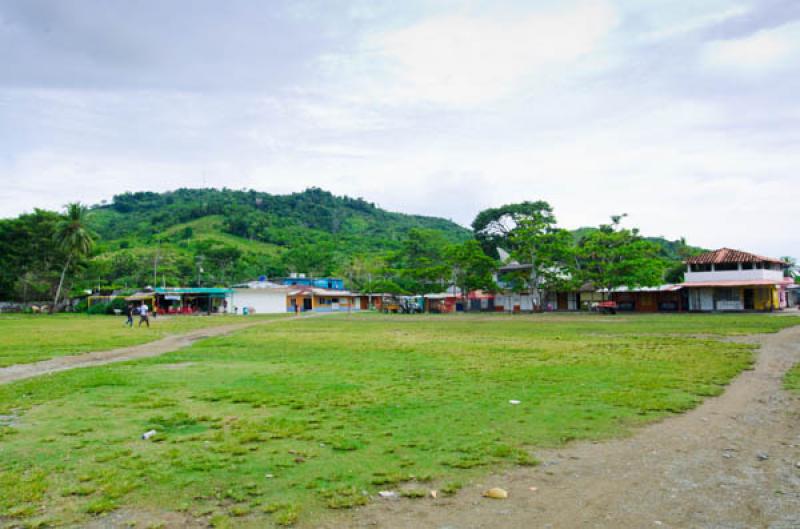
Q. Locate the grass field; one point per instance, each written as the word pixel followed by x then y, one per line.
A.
pixel 278 424
pixel 26 338
pixel 792 379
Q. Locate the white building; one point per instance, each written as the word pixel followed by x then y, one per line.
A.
pixel 732 280
pixel 260 297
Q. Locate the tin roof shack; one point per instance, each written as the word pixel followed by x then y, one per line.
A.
pixel 312 299
pixel 259 297
pixel 185 300
pixel 481 300
pixel 733 280
pixel 663 298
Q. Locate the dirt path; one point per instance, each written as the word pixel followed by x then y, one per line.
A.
pixel 156 348
pixel 732 463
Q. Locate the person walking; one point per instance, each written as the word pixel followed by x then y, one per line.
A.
pixel 129 315
pixel 143 315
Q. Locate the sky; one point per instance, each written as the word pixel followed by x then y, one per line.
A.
pixel 681 113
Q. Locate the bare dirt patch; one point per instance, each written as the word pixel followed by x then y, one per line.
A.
pixel 731 463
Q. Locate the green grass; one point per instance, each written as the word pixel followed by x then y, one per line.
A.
pixel 279 424
pixel 792 379
pixel 28 338
pixel 210 228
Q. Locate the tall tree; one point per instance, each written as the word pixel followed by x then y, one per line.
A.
pixel 494 228
pixel 528 231
pixel 74 239
pixel 548 250
pixel 612 256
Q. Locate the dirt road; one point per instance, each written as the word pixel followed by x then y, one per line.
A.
pixel 156 348
pixel 732 463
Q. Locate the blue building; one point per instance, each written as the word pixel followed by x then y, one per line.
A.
pixel 317 282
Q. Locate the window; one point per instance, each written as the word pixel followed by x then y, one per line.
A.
pixel 747 266
pixel 727 294
pixel 724 267
pixel 701 268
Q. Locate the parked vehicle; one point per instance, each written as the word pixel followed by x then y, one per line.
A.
pixel 605 307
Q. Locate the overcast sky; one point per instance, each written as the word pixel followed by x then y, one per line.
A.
pixel 683 113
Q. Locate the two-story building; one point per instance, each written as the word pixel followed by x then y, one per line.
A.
pixel 732 280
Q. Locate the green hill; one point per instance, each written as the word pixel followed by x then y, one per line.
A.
pixel 220 236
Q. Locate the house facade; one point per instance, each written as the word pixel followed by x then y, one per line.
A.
pixel 313 299
pixel 514 295
pixel 260 297
pixel 733 280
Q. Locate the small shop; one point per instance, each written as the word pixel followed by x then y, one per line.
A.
pixel 192 300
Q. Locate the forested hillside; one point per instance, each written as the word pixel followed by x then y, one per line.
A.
pixel 208 236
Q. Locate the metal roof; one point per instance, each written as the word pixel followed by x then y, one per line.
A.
pixel 659 288
pixel 193 290
pixel 727 255
pixel 261 285
pixel 305 290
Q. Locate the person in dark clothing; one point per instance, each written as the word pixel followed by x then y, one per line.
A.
pixel 129 315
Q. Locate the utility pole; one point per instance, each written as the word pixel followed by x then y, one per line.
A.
pixel 199 269
pixel 155 264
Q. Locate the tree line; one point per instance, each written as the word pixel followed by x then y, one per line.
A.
pixel 47 255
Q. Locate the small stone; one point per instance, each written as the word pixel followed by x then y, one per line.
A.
pixel 762 456
pixel 269 476
pixel 387 494
pixel 726 455
pixel 797 464
pixel 533 489
pixel 496 493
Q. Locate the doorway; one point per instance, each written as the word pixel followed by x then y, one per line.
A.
pixel 748 299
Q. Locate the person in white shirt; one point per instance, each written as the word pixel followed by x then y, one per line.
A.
pixel 143 315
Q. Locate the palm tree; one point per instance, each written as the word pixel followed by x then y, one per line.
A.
pixel 74 238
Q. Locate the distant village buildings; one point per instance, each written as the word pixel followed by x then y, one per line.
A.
pixel 723 280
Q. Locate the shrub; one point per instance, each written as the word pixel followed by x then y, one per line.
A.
pixel 118 304
pixel 98 308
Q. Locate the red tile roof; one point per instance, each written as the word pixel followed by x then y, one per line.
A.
pixel 726 255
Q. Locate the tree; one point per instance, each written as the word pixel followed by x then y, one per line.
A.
pixel 472 268
pixel 548 250
pixel 528 231
pixel 612 256
pixel 74 238
pixel 420 265
pixel 495 227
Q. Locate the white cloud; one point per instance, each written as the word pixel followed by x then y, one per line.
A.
pixel 763 51
pixel 713 16
pixel 461 59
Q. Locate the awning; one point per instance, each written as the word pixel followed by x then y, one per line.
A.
pixel 734 283
pixel 141 296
